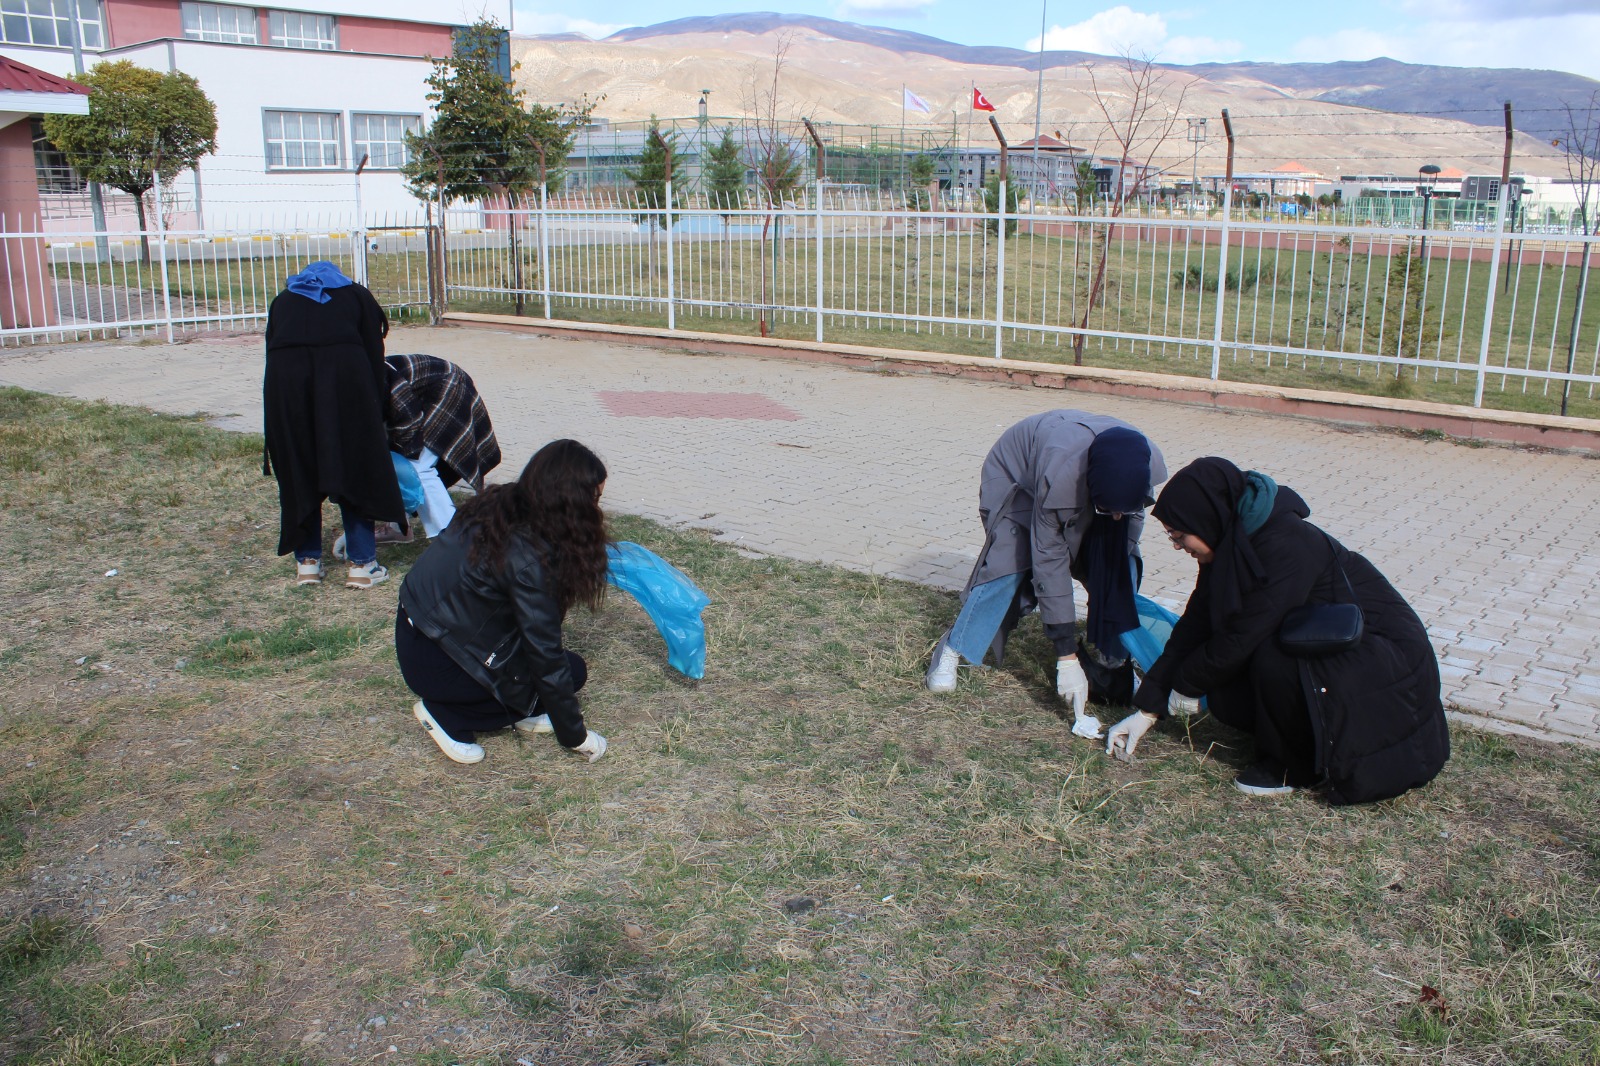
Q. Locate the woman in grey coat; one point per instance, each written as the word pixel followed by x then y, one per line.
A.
pixel 1062 496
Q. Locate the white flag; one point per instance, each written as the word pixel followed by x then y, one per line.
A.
pixel 913 102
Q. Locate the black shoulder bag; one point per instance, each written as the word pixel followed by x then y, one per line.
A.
pixel 1314 630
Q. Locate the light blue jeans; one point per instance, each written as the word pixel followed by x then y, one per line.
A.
pixel 979 621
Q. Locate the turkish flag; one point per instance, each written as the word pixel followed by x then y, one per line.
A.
pixel 980 102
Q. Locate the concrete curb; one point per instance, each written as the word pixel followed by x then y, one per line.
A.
pixel 1555 432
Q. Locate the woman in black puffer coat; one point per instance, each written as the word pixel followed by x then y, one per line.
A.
pixel 1362 724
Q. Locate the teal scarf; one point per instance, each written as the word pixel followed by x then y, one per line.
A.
pixel 1255 503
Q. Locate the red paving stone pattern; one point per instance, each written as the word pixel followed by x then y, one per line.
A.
pixel 747 405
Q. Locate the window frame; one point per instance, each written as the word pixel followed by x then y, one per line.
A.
pixel 281 41
pixel 355 155
pixel 289 168
pixel 58 19
pixel 231 37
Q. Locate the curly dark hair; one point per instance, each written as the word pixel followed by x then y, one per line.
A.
pixel 555 503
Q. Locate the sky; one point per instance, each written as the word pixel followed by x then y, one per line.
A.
pixel 1547 34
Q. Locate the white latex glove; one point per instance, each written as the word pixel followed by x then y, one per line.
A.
pixel 1125 735
pixel 1178 703
pixel 1071 684
pixel 593 746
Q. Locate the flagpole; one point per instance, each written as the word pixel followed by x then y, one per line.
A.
pixel 972 93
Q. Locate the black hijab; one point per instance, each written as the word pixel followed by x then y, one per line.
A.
pixel 1118 474
pixel 1224 506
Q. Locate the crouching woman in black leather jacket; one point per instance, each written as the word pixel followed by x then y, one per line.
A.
pixel 478 633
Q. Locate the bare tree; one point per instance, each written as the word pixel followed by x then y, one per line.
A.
pixel 777 160
pixel 1139 119
pixel 1582 148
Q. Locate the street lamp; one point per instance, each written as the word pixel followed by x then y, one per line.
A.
pixel 1427 174
pixel 1197 137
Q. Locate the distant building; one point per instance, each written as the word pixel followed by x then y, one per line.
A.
pixel 27 294
pixel 301 94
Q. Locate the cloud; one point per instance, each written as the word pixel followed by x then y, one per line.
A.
pixel 1121 30
pixel 883 9
pixel 1498 10
pixel 1559 43
pixel 549 22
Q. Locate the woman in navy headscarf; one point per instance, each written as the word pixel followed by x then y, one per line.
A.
pixel 1361 724
pixel 1062 496
pixel 324 398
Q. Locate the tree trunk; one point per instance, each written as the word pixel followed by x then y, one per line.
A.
pixel 520 301
pixel 1577 312
pixel 144 235
pixel 1097 284
pixel 766 227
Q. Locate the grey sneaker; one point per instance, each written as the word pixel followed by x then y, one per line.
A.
pixel 364 577
pixel 942 670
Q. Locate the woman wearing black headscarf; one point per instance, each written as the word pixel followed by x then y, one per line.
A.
pixel 1362 724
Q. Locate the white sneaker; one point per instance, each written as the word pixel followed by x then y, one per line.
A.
pixel 309 572
pixel 942 670
pixel 364 577
pixel 534 723
pixel 453 749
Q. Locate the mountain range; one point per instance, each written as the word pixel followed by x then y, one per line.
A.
pixel 1327 116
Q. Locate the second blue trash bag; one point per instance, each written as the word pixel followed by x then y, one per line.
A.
pixel 1147 642
pixel 672 601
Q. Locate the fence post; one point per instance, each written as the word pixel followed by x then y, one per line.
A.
pixel 820 180
pixel 1222 266
pixel 544 246
pixel 672 311
pixel 1000 274
pixel 161 251
pixel 1488 307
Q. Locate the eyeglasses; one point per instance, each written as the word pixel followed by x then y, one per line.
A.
pixel 1118 514
pixel 1176 536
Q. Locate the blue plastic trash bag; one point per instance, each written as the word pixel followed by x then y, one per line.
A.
pixel 1146 643
pixel 672 601
pixel 410 483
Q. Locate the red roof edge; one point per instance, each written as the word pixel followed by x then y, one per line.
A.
pixel 20 78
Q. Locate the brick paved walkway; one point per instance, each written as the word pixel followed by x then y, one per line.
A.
pixel 1493 546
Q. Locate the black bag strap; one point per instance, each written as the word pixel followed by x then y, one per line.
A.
pixel 1338 565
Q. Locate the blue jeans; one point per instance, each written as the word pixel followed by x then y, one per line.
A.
pixel 981 615
pixel 360 541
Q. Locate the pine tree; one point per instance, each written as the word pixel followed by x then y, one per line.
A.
pixel 725 174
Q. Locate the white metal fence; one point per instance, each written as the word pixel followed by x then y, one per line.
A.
pixel 89 284
pixel 1481 316
pixel 1456 314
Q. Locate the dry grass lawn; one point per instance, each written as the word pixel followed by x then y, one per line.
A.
pixel 224 840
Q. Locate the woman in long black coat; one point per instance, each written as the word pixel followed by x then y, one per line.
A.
pixel 324 396
pixel 1362 724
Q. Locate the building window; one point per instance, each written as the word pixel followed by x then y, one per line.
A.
pixel 54 172
pixel 48 23
pixel 293 29
pixel 303 140
pixel 220 22
pixel 382 138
